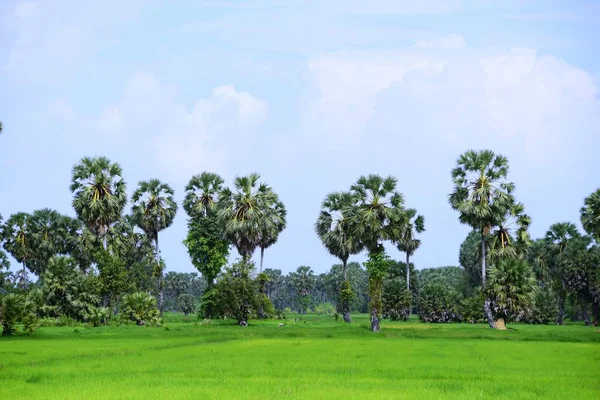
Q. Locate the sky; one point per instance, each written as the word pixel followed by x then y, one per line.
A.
pixel 311 95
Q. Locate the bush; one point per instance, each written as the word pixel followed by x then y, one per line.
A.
pixel 11 312
pixel 511 287
pixel 325 309
pixel 141 308
pixel 57 321
pixel 396 303
pixel 187 303
pixel 206 308
pixel 471 308
pixel 544 308
pixel 439 303
pixel 97 316
pixel 264 304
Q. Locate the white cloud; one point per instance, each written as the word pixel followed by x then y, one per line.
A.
pixel 184 141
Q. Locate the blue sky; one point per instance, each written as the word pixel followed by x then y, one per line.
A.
pixel 311 94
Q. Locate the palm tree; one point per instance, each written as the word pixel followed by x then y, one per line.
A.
pixel 590 215
pixel 510 238
pixel 407 242
pixel 558 238
pixel 273 224
pixel 333 228
pixel 202 194
pixel 377 215
pixel 50 234
pixel 304 282
pixel 483 198
pixel 244 212
pixel 18 241
pixel 99 194
pixel 154 209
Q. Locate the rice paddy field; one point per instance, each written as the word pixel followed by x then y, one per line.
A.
pixel 315 357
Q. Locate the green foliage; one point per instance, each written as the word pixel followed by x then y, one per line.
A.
pixel 141 308
pixel 590 215
pixel 264 307
pixel 187 303
pixel 511 287
pixel 377 266
pixel 112 278
pixel 471 308
pixel 304 282
pixel 469 257
pixel 208 304
pixel 236 293
pixel 324 309
pixel 544 307
pixel 397 302
pixel 11 312
pixel 97 316
pixel 207 247
pixel 439 303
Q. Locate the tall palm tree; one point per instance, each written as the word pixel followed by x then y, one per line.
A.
pixel 244 211
pixel 272 225
pixel 18 241
pixel 483 198
pixel 407 242
pixel 590 215
pixel 333 228
pixel 378 215
pixel 98 193
pixel 558 238
pixel 202 193
pixel 304 283
pixel 154 209
pixel 50 234
pixel 510 238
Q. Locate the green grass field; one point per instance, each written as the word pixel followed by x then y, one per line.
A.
pixel 315 358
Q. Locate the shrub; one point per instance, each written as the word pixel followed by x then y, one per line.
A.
pixel 141 308
pixel 471 308
pixel 544 308
pixel 396 302
pixel 11 312
pixel 264 306
pixel 206 308
pixel 325 309
pixel 439 303
pixel 187 303
pixel 97 316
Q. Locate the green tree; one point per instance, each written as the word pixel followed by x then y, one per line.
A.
pixel 236 293
pixel 272 224
pixel 17 234
pixel 470 259
pixel 377 215
pixel 483 198
pixel 558 238
pixel 51 234
pixel 333 228
pixel 304 282
pixel 407 241
pixel 187 303
pixel 244 211
pixel 141 308
pixel 511 288
pixel 590 215
pixel 154 209
pixel 98 194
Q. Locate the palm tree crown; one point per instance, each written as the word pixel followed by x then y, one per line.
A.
pixel 202 193
pixel 153 207
pixel 99 193
pixel 590 215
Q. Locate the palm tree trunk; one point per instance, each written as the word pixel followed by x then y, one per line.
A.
pixel 560 316
pixel 262 257
pixel 104 244
pixel 23 278
pixel 345 299
pixel 487 309
pixel 160 277
pixel 407 271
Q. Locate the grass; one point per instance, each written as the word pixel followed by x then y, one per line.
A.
pixel 315 358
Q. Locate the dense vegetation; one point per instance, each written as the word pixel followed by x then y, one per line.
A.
pixel 106 264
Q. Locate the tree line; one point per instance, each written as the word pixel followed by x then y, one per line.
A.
pixel 106 262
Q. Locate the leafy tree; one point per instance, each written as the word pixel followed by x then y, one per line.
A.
pixel 51 234
pixel 511 288
pixel 439 303
pixel 407 241
pixel 333 228
pixel 18 239
pixel 304 282
pixel 358 281
pixel 4 271
pixel 236 293
pixel 141 308
pixel 98 194
pixel 558 238
pixel 590 215
pixel 376 216
pixel 12 307
pixel 154 209
pixel 67 292
pixel 544 307
pixel 113 281
pixel 470 259
pixel 397 300
pixel 538 256
pixel 483 198
pixel 186 303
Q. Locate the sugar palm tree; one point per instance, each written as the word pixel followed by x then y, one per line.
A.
pixel 510 238
pixel 560 236
pixel 18 240
pixel 49 233
pixel 243 212
pixel 483 197
pixel 378 215
pixel 407 242
pixel 98 194
pixel 202 194
pixel 272 225
pixel 333 228
pixel 154 209
pixel 590 215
